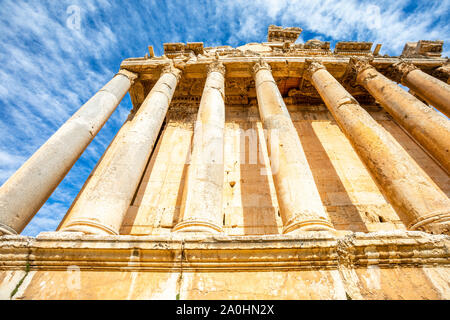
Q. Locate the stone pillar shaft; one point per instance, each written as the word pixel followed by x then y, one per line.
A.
pixel 430 89
pixel 201 209
pixel 416 198
pixel 102 204
pixel 100 167
pixel 299 201
pixel 424 123
pixel 24 193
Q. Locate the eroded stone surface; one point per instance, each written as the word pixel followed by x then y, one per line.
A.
pixel 319 265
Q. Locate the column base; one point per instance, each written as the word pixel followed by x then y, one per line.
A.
pixel 435 223
pixel 197 226
pixel 89 227
pixel 308 225
pixel 4 230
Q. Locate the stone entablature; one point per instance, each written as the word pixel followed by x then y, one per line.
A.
pixel 285 68
pixel 52 250
pixel 354 48
pixel 280 34
pixel 427 48
pixel 180 49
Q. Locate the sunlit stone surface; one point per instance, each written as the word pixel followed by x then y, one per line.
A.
pixel 348 201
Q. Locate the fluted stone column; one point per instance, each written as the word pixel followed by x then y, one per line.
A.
pixel 430 89
pixel 102 205
pixel 424 123
pixel 301 208
pixel 416 198
pixel 24 193
pixel 201 209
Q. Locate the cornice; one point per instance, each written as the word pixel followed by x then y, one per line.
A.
pixel 150 69
pixel 238 68
pixel 402 68
pixel 306 251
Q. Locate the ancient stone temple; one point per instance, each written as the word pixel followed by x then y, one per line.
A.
pixel 274 170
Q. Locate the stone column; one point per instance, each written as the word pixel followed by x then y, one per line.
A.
pixel 301 208
pixel 102 204
pixel 201 209
pixel 416 198
pixel 424 123
pixel 24 193
pixel 434 91
pixel 100 167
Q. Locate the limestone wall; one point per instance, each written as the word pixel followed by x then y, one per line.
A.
pixel 350 195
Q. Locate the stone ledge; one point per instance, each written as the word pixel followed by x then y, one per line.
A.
pixel 307 251
pixel 282 66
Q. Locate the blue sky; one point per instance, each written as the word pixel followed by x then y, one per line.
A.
pixel 55 55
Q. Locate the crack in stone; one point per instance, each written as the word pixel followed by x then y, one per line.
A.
pixel 27 270
pixel 180 277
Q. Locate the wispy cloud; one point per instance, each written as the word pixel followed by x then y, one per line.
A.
pixel 391 23
pixel 49 68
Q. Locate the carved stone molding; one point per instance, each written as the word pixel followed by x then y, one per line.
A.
pixel 169 68
pixel 402 69
pixel 216 66
pixel 304 222
pixel 4 229
pixel 311 66
pixel 435 223
pixel 260 66
pixel 305 251
pixel 130 75
pixel 353 48
pixel 359 64
pixel 280 34
pixel 182 116
pixel 422 48
pixel 198 225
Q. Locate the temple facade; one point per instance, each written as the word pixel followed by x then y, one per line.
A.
pixel 274 170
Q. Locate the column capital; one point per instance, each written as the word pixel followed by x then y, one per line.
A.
pixel 216 66
pixel 130 75
pixel 260 66
pixel 356 67
pixel 359 64
pixel 402 69
pixel 311 66
pixel 169 68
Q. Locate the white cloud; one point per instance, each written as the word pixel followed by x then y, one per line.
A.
pixel 383 22
pixel 45 77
